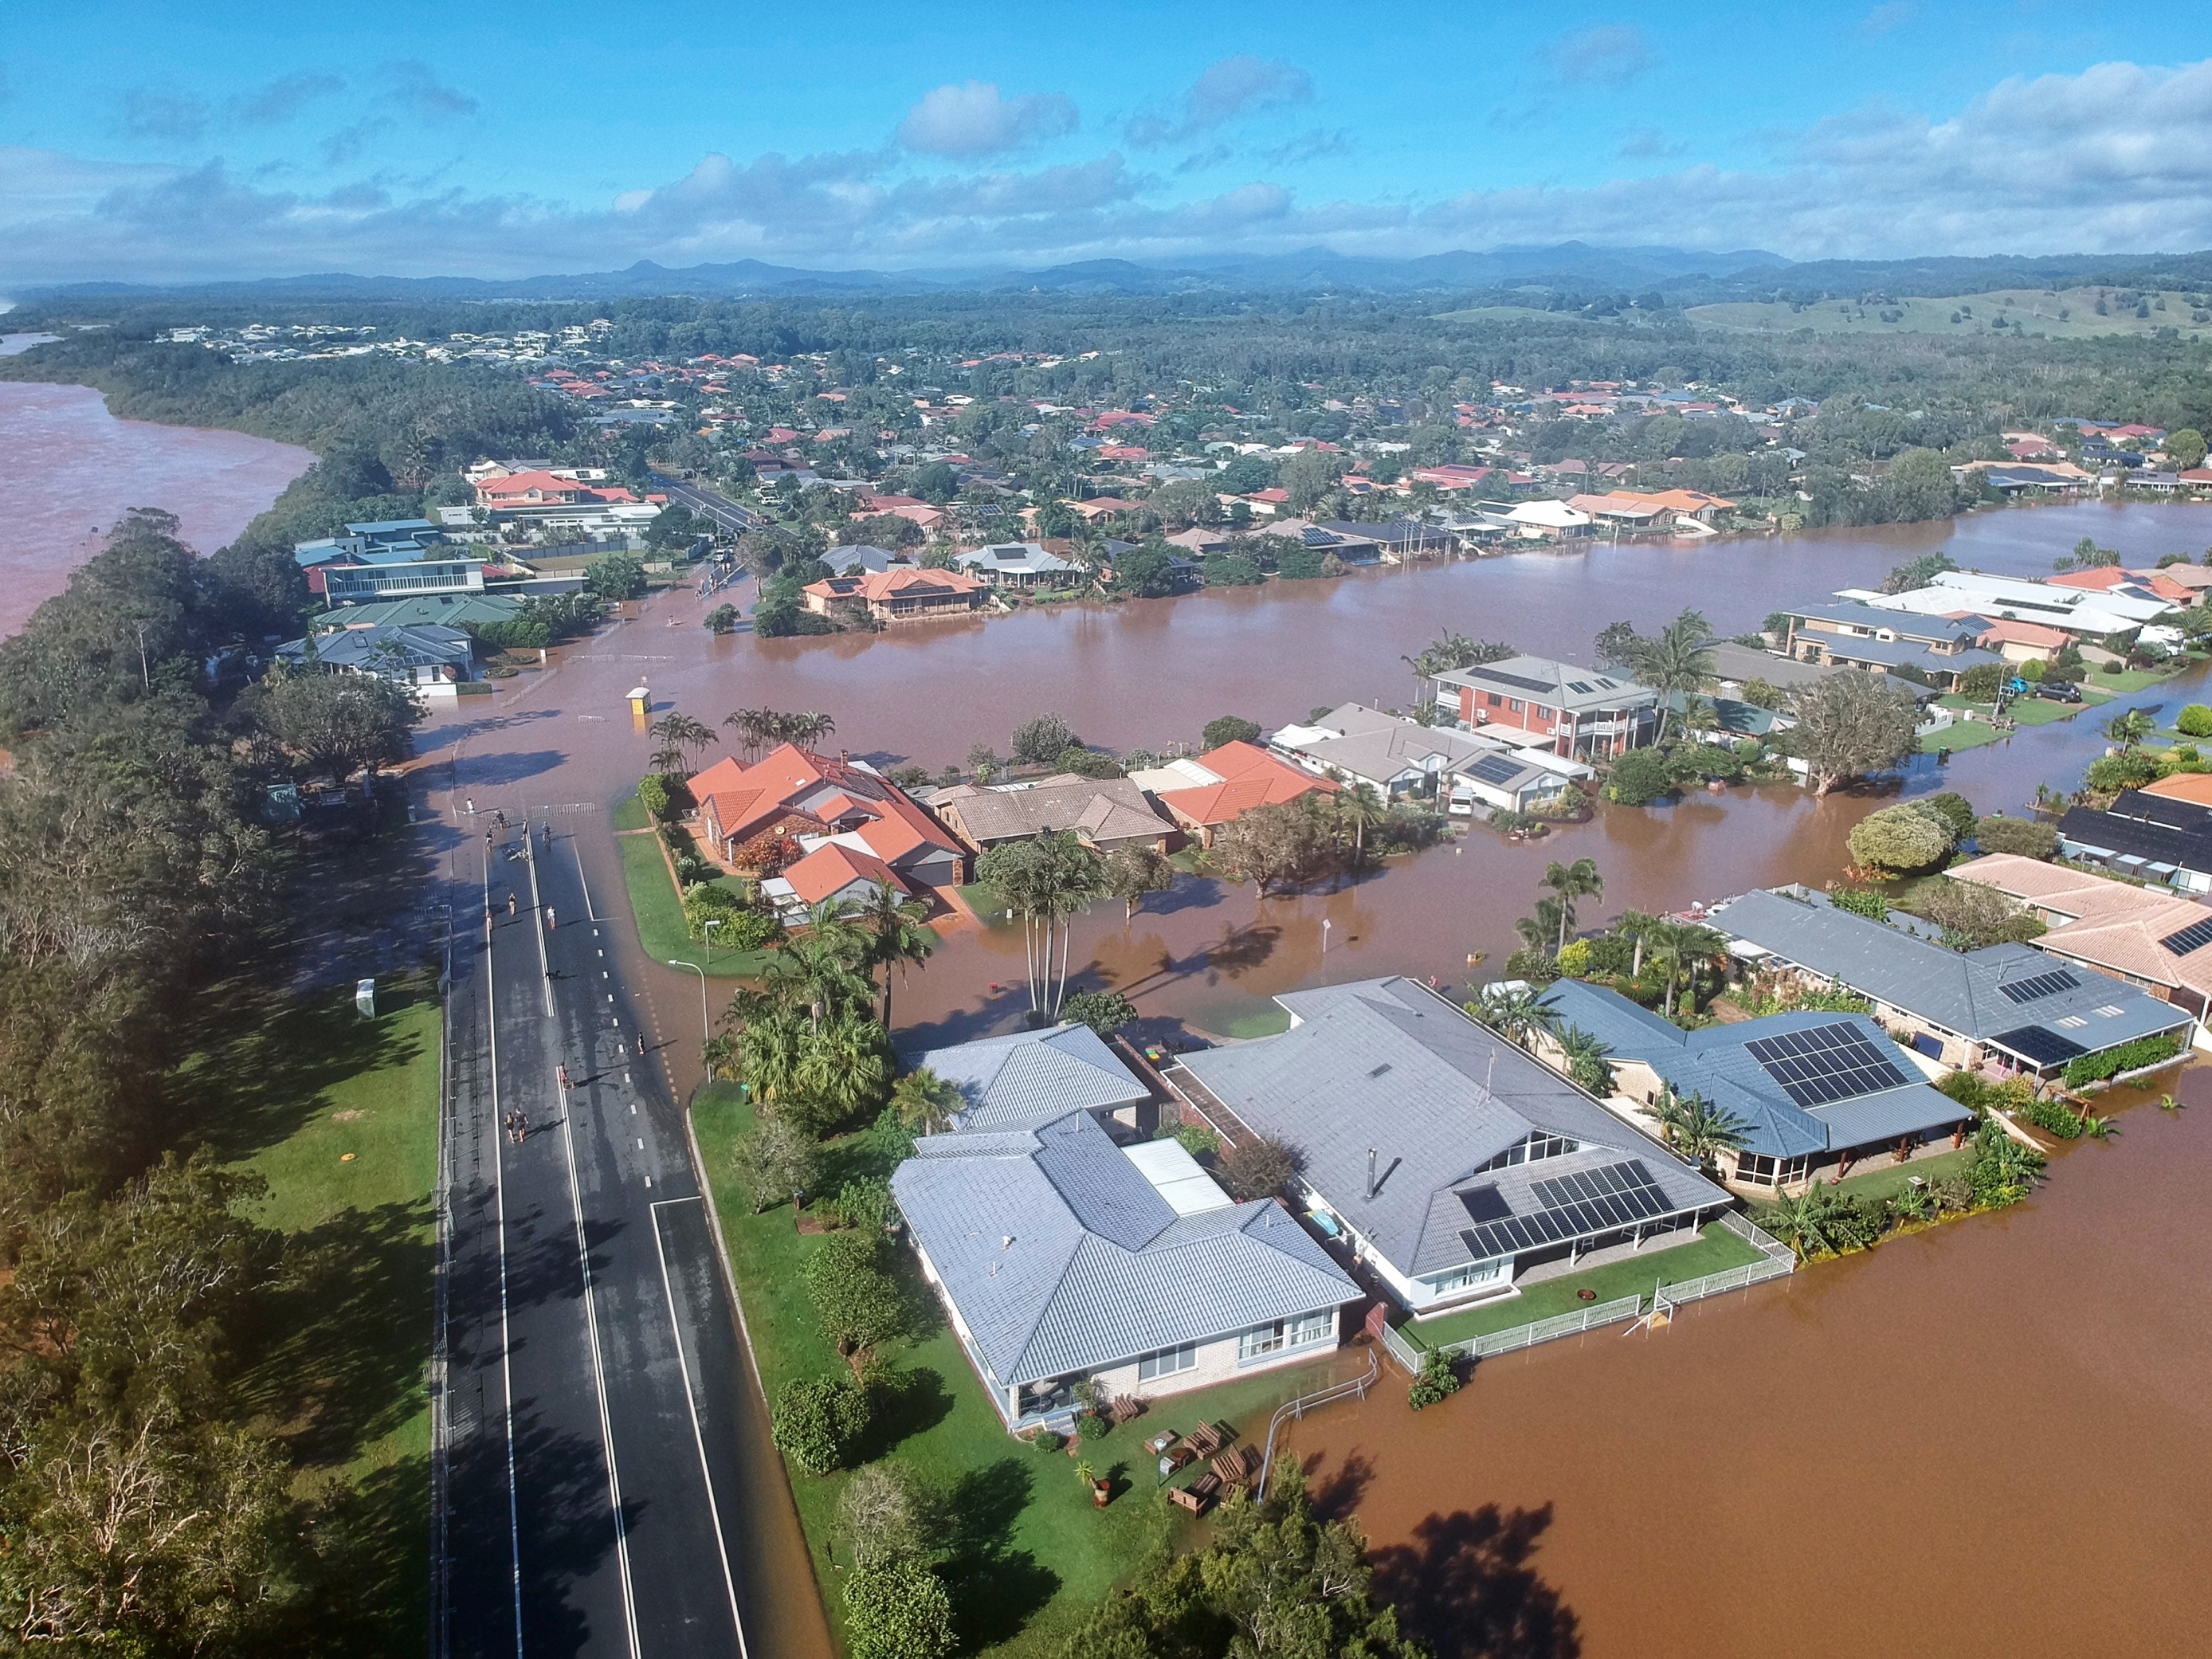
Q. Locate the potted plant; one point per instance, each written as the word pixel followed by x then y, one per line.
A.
pixel 1100 1490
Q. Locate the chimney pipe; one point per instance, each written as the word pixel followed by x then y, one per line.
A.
pixel 1370 1172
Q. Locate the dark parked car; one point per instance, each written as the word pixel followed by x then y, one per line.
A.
pixel 2059 690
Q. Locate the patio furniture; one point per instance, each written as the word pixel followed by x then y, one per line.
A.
pixel 1236 1468
pixel 1206 1439
pixel 1160 1442
pixel 1179 1457
pixel 1196 1495
pixel 1127 1406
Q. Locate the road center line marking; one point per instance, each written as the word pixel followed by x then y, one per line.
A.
pixel 506 1343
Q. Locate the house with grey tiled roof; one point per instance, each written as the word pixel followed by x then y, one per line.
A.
pixel 1104 812
pixel 2008 1002
pixel 1030 1077
pixel 1062 1258
pixel 1813 1091
pixel 1455 1163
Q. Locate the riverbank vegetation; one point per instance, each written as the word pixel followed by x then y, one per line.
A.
pixel 213 1318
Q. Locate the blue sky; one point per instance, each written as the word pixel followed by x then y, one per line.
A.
pixel 148 142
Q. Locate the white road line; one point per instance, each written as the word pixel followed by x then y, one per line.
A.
pixel 499 1192
pixel 537 917
pixel 713 1510
pixel 590 915
pixel 598 1372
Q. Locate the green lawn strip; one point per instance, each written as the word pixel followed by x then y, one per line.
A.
pixel 1886 1179
pixel 1715 1249
pixel 1034 1556
pixel 660 915
pixel 987 901
pixel 632 815
pixel 342 1369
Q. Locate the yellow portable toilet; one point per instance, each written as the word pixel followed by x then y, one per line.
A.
pixel 640 700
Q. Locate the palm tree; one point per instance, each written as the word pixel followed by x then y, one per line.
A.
pixel 1570 881
pixel 1360 807
pixel 925 1102
pixel 1676 660
pixel 893 925
pixel 1045 879
pixel 820 970
pixel 1515 1012
pixel 751 726
pixel 1819 1221
pixel 667 759
pixel 1538 931
pixel 1681 943
pixel 1636 925
pixel 1699 1128
pixel 2128 728
pixel 1589 1060
pixel 809 729
pixel 680 733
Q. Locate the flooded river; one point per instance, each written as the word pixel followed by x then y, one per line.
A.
pixel 80 469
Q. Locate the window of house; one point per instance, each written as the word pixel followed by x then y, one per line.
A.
pixel 1540 1144
pixel 1543 712
pixel 1167 1361
pixel 1462 1278
pixel 1493 698
pixel 1513 705
pixel 1283 1334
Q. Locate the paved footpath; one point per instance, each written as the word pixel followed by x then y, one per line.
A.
pixel 596 1446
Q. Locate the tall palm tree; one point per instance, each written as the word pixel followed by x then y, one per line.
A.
pixel 679 732
pixel 822 966
pixel 751 726
pixel 1360 807
pixel 1045 880
pixel 1699 1128
pixel 809 729
pixel 1680 945
pixel 1677 660
pixel 1540 932
pixel 2128 728
pixel 1636 927
pixel 893 925
pixel 1570 881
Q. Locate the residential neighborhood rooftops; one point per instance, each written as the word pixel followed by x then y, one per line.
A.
pixel 2137 932
pixel 451 609
pixel 1802 1083
pixel 1102 812
pixel 1060 1254
pixel 1562 685
pixel 1385 1066
pixel 2009 997
pixel 1245 776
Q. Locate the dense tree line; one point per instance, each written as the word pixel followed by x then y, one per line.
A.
pixel 143 1508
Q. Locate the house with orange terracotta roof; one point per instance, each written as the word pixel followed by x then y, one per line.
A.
pixel 1225 783
pixel 902 593
pixel 813 825
pixel 2156 940
pixel 2020 641
pixel 2111 578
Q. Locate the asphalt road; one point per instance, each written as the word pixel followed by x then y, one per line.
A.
pixel 707 504
pixel 596 1447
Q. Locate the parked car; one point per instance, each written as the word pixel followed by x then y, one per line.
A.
pixel 2059 690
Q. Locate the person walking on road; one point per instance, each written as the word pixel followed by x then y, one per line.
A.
pixel 521 1126
pixel 563 1071
pixel 549 923
pixel 510 904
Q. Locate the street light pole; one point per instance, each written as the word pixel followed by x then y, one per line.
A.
pixel 712 924
pixel 705 1030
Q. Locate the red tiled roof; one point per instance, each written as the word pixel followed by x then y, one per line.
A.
pixel 745 799
pixel 830 870
pixel 1250 777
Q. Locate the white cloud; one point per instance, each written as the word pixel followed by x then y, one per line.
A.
pixel 975 119
pixel 1228 89
pixel 2118 157
pixel 168 117
pixel 1608 55
pixel 414 85
pixel 282 99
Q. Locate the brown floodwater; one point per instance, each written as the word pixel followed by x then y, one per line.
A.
pixel 1991 1437
pixel 79 470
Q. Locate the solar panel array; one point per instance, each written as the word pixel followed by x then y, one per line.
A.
pixel 1597 1201
pixel 2041 985
pixel 1520 680
pixel 2195 937
pixel 1826 1064
pixel 2040 1044
pixel 1496 768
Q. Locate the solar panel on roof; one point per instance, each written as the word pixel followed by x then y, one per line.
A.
pixel 2040 1044
pixel 1826 1064
pixel 1520 680
pixel 2195 937
pixel 1598 1200
pixel 1496 768
pixel 2041 985
pixel 1577 685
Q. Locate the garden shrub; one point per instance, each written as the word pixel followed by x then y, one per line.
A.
pixel 1438 1380
pixel 1862 901
pixel 708 902
pixel 1639 778
pixel 2194 721
pixel 817 1420
pixel 653 793
pixel 2051 1117
pixel 897 1610
pixel 2024 836
pixel 1900 839
pixel 2127 1057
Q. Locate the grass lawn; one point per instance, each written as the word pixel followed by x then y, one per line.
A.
pixel 1882 1179
pixel 288 1091
pixel 660 915
pixel 987 901
pixel 1031 1556
pixel 1715 1249
pixel 632 815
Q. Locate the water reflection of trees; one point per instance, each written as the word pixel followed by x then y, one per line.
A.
pixel 1465 1587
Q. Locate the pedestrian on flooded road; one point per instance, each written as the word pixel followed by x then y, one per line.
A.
pixel 521 1126
pixel 510 904
pixel 549 923
pixel 564 1071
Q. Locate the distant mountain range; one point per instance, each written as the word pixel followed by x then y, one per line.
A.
pixel 1686 276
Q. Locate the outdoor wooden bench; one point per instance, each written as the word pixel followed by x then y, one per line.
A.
pixel 1196 1495
pixel 1206 1439
pixel 1236 1468
pixel 1127 1406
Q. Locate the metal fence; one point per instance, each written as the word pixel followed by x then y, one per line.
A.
pixel 1776 1260
pixel 1306 1403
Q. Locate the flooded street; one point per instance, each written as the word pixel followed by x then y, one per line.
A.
pixel 82 469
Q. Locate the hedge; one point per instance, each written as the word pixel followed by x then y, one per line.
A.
pixel 2127 1057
